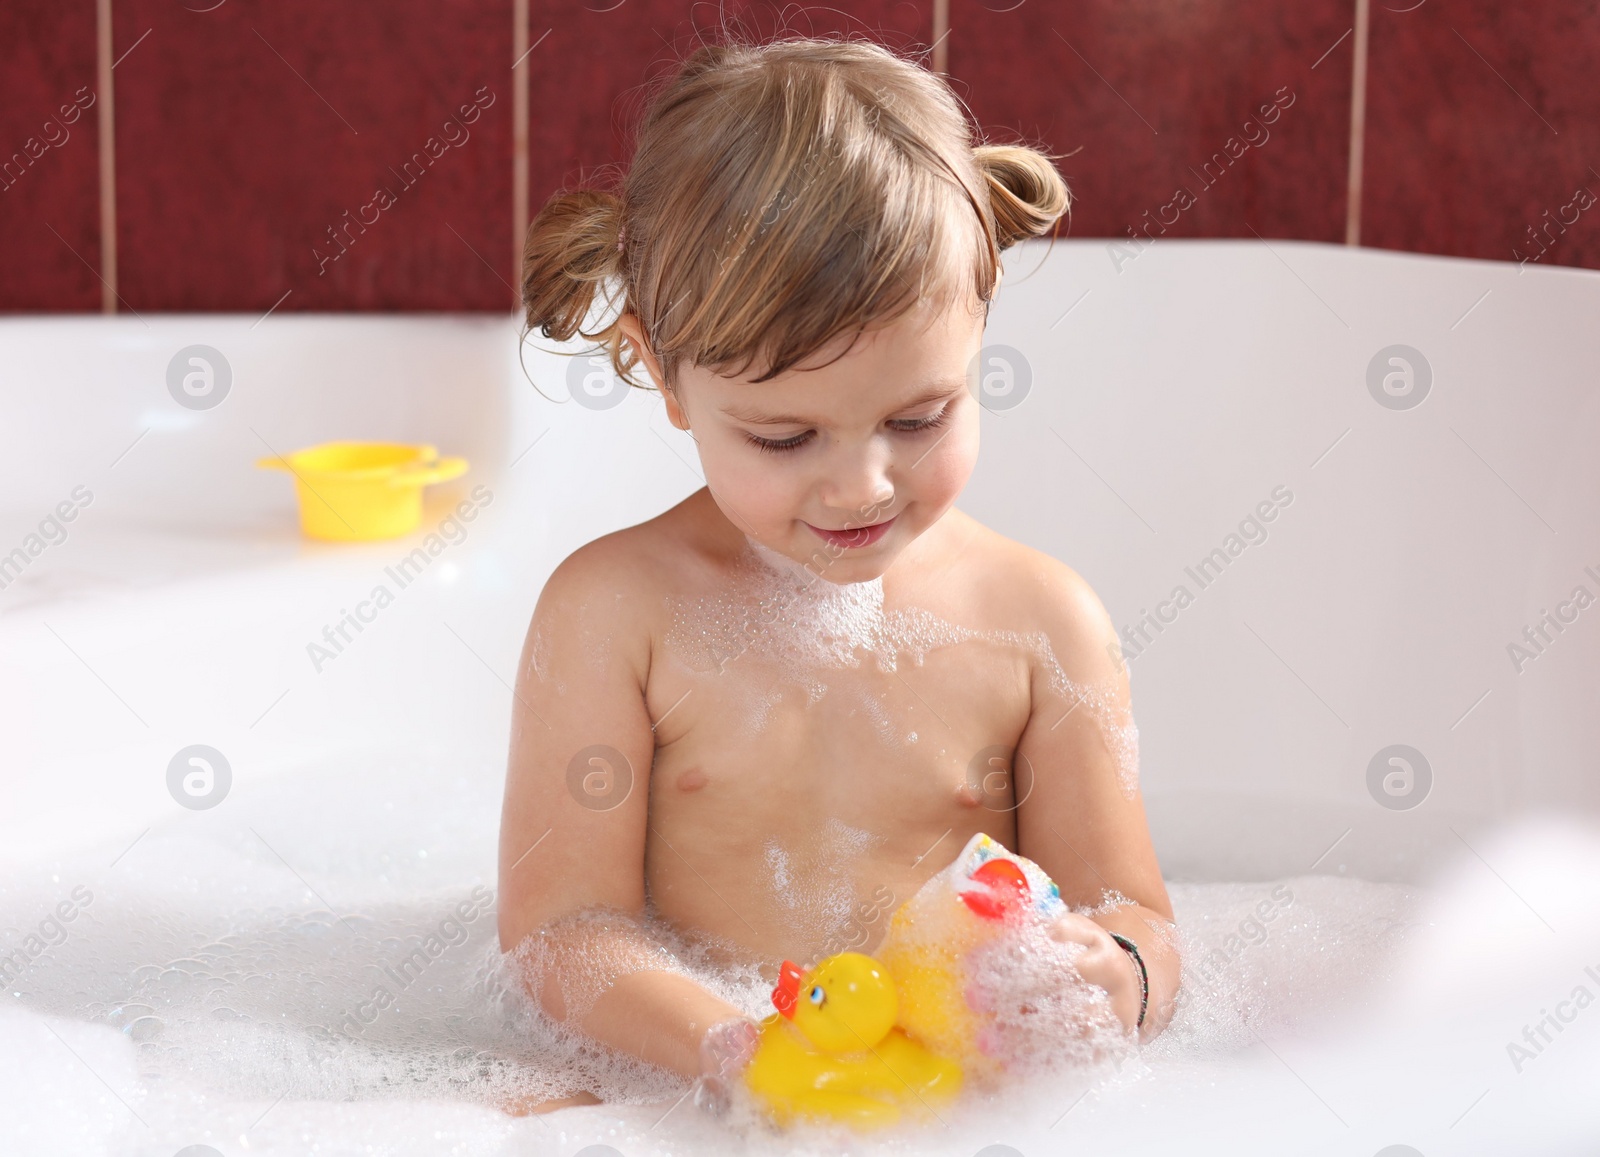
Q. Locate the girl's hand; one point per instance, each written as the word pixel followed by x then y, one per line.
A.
pixel 1103 963
pixel 1065 992
pixel 726 1050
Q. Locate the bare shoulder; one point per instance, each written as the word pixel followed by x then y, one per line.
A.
pixel 624 579
pixel 1040 594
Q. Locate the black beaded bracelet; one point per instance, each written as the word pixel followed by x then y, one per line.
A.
pixel 1132 950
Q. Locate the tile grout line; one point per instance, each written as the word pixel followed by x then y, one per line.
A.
pixel 519 141
pixel 1358 125
pixel 107 124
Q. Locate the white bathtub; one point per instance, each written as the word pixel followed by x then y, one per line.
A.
pixel 1170 395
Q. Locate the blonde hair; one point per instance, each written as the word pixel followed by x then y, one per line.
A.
pixel 781 195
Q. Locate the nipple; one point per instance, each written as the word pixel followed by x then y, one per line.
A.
pixel 692 780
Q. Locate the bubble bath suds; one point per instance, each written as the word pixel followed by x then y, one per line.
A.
pixel 205 960
pixel 782 613
pixel 812 883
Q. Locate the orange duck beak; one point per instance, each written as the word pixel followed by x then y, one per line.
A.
pixel 787 994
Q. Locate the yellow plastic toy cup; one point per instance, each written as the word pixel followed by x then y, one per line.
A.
pixel 353 491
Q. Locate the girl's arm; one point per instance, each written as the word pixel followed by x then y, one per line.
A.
pixel 1077 817
pixel 573 826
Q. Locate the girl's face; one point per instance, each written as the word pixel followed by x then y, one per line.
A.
pixel 840 468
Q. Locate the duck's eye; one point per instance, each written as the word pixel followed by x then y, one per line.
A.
pixel 817 995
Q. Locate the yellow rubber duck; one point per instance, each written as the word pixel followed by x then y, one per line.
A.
pixel 832 1050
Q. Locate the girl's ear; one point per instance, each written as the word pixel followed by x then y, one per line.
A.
pixel 675 411
pixel 633 333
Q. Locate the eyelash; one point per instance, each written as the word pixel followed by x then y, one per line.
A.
pixel 909 426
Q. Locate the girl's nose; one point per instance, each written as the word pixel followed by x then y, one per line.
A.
pixel 860 488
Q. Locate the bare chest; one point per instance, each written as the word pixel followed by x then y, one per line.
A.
pixel 793 790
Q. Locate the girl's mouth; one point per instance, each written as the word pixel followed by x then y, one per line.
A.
pixel 857 538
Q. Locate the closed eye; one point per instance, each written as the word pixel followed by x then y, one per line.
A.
pixel 918 425
pixel 775 445
pixel 899 425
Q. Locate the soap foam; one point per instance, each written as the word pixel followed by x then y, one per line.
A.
pixel 1243 975
pixel 583 954
pixel 1044 1019
pixel 812 881
pixel 1114 718
pixel 539 652
pixel 1110 901
pixel 205 949
pixel 777 611
pixel 205 981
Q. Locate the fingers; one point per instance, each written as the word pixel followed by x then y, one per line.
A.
pixel 1075 929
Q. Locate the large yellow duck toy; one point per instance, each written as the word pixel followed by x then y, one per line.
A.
pixel 864 1041
pixel 832 1052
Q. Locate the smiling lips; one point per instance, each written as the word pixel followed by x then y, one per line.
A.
pixel 857 538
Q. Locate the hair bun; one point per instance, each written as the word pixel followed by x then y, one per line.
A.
pixel 1026 193
pixel 573 245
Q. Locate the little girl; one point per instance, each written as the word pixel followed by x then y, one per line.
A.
pixel 762 719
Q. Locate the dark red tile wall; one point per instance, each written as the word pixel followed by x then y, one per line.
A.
pixel 246 132
pixel 1146 94
pixel 49 161
pixel 250 133
pixel 1482 118
pixel 596 66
